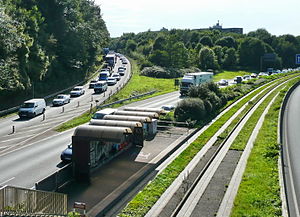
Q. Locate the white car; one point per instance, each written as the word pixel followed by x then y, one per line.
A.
pixel 116 76
pixel 61 99
pixel 111 81
pixel 77 91
pixel 223 82
pixel 121 71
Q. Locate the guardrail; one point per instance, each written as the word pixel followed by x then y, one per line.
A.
pixel 13 109
pixel 124 100
pixel 289 200
pixel 10 110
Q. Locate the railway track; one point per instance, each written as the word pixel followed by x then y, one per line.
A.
pixel 204 182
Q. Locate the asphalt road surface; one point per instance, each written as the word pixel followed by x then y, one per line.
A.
pixel 291 129
pixel 33 161
pixel 30 130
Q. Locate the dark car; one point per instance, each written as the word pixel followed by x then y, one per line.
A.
pixel 66 155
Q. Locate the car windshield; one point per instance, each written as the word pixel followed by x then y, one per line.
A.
pixel 111 79
pixel 185 84
pixel 28 105
pixel 60 97
pixel 115 75
pixel 77 88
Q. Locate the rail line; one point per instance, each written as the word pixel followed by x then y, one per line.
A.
pixel 208 158
pixel 214 156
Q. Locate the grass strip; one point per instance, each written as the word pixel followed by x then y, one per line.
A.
pixel 259 191
pixel 137 85
pixel 229 75
pixel 145 199
pixel 241 140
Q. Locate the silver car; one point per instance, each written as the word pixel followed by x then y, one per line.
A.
pixel 61 99
pixel 77 91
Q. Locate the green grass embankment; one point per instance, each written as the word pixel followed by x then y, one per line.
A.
pixel 145 199
pixel 138 84
pixel 229 75
pixel 259 191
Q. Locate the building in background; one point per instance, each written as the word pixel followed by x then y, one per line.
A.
pixel 220 28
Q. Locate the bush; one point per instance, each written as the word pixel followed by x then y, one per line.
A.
pixel 160 72
pixel 190 109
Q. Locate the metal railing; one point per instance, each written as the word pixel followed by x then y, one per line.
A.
pixel 13 109
pixel 20 202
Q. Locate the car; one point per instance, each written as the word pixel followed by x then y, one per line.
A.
pixel 66 155
pixel 121 71
pixel 223 82
pixel 92 84
pixel 100 114
pixel 61 99
pixel 32 107
pixel 121 67
pixel 246 77
pixel 111 81
pixel 100 86
pixel 77 91
pixel 105 70
pixel 116 76
pixel 262 74
pixel 253 75
pixel 168 107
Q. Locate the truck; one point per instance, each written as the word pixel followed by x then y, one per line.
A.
pixel 194 79
pixel 111 59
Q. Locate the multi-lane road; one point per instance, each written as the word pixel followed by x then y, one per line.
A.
pixel 33 151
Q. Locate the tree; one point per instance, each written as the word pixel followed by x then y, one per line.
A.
pixel 206 41
pixel 160 43
pixel 230 59
pixel 159 57
pixel 131 45
pixel 262 34
pixel 218 53
pixel 250 52
pixel 227 41
pixel 207 59
pixel 190 109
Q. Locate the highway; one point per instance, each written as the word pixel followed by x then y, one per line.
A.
pixel 30 130
pixel 291 151
pixel 31 162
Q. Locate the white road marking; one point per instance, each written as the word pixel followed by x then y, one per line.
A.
pixel 7 180
pixel 144 156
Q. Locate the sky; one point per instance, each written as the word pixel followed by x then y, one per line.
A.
pixel 277 16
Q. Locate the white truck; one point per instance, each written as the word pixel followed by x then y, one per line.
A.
pixel 195 79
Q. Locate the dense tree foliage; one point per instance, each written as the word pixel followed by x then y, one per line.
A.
pixel 210 49
pixel 49 43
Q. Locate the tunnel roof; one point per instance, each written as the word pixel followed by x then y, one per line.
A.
pixel 137 113
pixel 117 123
pixel 145 109
pixel 141 119
pixel 107 133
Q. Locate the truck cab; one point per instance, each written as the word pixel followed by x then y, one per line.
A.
pixel 195 79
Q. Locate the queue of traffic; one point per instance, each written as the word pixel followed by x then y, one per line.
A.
pixel 109 133
pixel 107 77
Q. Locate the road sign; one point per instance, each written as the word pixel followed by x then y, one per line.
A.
pixel 269 57
pixel 297 58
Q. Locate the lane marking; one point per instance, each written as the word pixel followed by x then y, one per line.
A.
pixel 7 180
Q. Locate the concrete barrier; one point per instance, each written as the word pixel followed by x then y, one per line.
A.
pixel 56 180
